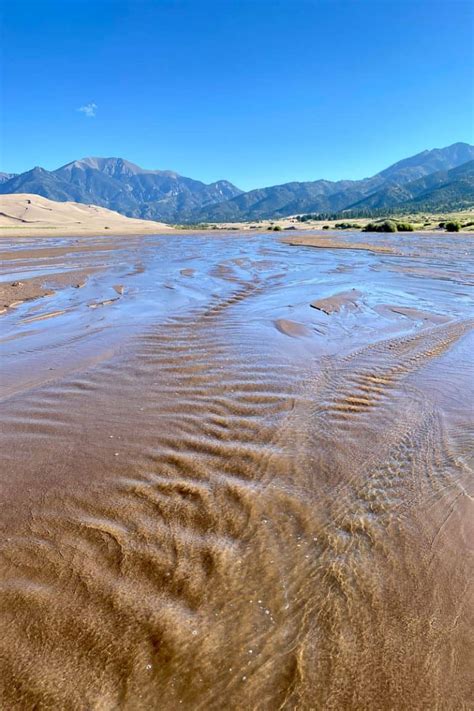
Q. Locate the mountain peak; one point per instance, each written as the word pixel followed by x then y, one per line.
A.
pixel 123 186
pixel 113 167
pixel 110 166
pixel 430 161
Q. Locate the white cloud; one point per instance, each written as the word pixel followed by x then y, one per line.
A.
pixel 89 109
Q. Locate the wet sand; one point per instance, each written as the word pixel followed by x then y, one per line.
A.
pixel 216 496
pixel 336 302
pixel 338 241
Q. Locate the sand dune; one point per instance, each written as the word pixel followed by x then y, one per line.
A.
pixel 27 215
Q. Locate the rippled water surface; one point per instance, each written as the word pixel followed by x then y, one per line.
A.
pixel 217 496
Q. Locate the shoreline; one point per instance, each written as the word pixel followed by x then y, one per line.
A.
pixel 169 230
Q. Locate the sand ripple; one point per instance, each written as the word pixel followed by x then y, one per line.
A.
pixel 207 519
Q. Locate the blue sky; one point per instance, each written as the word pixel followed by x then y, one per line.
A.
pixel 259 92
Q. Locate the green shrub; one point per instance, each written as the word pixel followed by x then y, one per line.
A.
pixel 277 228
pixel 385 226
pixel 346 226
pixel 452 227
pixel 326 227
pixel 405 227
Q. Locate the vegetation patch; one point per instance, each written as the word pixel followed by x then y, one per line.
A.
pixel 389 226
pixel 347 226
pixel 452 226
pixel 385 226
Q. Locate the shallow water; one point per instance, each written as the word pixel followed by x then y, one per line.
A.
pixel 216 496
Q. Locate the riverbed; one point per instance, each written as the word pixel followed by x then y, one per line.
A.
pixel 237 472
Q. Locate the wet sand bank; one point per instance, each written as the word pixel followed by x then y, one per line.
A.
pixel 214 495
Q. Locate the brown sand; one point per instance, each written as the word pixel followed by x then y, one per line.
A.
pixel 27 215
pixel 333 304
pixel 413 313
pixel 291 328
pixel 199 513
pixel 335 242
pixel 16 292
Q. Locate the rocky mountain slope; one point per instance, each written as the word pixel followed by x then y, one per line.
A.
pixel 444 189
pixel 325 196
pixel 122 186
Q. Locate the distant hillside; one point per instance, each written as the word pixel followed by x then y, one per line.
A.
pixel 444 190
pixel 455 193
pixel 323 196
pixel 428 162
pixel 122 186
pixel 119 185
pixel 5 176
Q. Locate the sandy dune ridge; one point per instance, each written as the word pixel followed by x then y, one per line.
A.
pixel 27 215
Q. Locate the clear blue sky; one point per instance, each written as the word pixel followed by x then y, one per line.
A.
pixel 258 92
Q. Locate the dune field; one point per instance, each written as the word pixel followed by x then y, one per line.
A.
pixel 29 215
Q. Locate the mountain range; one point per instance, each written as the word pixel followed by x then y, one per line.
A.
pixel 442 190
pixel 441 178
pixel 323 196
pixel 119 185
